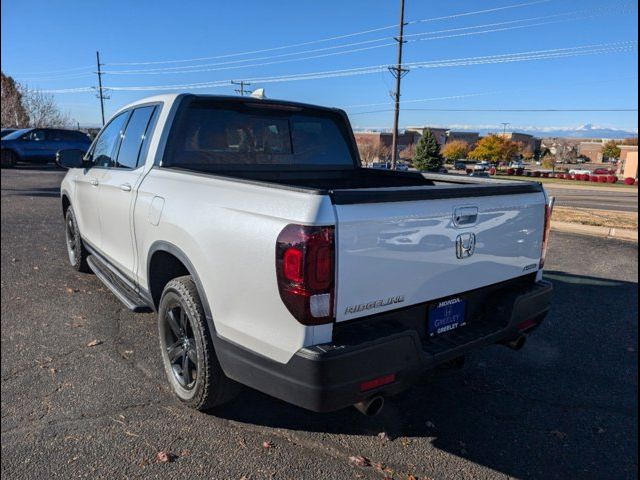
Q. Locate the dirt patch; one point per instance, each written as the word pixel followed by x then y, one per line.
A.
pixel 597 218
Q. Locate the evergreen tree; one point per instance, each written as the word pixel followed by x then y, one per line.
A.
pixel 427 156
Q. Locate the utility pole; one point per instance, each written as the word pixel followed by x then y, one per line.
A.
pixel 241 90
pixel 504 128
pixel 101 95
pixel 398 72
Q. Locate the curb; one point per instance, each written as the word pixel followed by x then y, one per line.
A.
pixel 608 232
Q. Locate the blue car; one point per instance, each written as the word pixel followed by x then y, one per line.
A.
pixel 39 145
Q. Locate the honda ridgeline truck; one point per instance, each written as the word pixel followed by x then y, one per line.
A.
pixel 274 260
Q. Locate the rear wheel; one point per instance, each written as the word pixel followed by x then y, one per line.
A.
pixel 8 159
pixel 75 248
pixel 189 359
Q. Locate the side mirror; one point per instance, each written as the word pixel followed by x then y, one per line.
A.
pixel 70 158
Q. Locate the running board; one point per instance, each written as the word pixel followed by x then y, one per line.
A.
pixel 127 295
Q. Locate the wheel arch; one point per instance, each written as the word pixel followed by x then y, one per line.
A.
pixel 66 201
pixel 166 261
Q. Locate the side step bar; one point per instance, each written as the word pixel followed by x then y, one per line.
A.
pixel 125 293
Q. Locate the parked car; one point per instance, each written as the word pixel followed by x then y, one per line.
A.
pixel 251 228
pixel 481 166
pixel 578 171
pixel 516 164
pixel 480 173
pixel 459 165
pixel 7 131
pixel 381 165
pixel 402 167
pixel 40 145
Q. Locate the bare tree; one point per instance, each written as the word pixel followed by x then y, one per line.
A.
pixel 13 112
pixel 370 152
pixel 42 109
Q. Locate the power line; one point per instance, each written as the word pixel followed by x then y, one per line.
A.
pixel 615 47
pixel 511 110
pixel 332 38
pixel 220 66
pixel 52 72
pixel 242 84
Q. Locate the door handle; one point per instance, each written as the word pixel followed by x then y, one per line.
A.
pixel 125 187
pixel 94 182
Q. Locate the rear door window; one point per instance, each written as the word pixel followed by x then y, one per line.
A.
pixel 134 136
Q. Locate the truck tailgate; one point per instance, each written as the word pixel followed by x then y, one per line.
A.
pixel 395 254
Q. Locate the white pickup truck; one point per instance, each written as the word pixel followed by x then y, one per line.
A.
pixel 276 261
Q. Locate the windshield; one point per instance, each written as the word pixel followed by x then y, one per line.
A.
pixel 16 134
pixel 235 135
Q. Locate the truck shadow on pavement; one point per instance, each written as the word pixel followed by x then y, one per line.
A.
pixel 564 406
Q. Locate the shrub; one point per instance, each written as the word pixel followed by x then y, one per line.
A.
pixel 535 174
pixel 586 177
pixel 519 171
pixel 629 181
pixel 593 178
pixel 527 174
pixel 469 170
pixel 612 179
pixel 602 178
pixel 492 171
pixel 511 171
pixel 545 174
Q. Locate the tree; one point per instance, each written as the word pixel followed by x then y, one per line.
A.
pixel 494 148
pixel 528 152
pixel 611 150
pixel 370 152
pixel 13 114
pixel 549 162
pixel 427 156
pixel 42 109
pixel 630 141
pixel 455 150
pixel 408 152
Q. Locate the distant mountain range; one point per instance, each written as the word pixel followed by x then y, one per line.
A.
pixel 583 131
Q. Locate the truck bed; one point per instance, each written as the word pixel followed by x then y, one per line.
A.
pixel 366 185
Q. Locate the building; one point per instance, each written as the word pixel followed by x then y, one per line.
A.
pixel 439 133
pixel 629 166
pixel 470 137
pixel 591 150
pixel 625 150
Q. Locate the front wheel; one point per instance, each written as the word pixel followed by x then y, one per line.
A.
pixel 75 248
pixel 189 360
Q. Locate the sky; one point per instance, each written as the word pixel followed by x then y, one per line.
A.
pixel 569 55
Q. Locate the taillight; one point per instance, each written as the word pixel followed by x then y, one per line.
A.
pixel 305 272
pixel 548 210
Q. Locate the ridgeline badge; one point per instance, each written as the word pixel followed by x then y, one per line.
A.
pixel 375 304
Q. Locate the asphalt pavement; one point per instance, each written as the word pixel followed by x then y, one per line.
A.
pixel 622 201
pixel 563 407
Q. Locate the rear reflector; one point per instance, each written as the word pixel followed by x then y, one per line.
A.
pixel 377 382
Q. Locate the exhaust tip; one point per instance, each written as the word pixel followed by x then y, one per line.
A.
pixel 371 407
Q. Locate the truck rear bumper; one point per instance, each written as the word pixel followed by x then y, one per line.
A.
pixel 331 376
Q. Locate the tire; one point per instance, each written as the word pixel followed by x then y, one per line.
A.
pixel 75 248
pixel 186 346
pixel 8 159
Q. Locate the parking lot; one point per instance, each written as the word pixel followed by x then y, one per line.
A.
pixel 84 394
